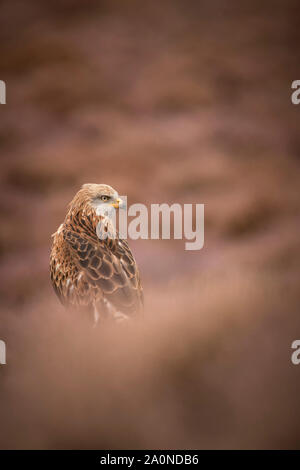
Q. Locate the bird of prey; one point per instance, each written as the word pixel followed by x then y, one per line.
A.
pixel 89 272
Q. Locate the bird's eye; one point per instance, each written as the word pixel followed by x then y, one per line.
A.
pixel 104 198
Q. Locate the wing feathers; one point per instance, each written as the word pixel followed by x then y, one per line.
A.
pixel 87 271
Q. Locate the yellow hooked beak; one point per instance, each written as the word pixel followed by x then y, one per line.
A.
pixel 117 203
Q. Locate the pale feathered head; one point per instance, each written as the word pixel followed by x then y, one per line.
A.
pixel 99 197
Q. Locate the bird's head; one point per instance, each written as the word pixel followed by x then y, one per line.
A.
pixel 103 199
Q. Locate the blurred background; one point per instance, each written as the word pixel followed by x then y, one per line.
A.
pixel 167 102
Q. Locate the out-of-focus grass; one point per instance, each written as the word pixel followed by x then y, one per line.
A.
pixel 207 367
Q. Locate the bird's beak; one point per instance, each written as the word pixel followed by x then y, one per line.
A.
pixel 117 204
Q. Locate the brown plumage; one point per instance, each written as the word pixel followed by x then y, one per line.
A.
pixel 96 275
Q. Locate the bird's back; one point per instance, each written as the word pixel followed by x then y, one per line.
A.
pixel 87 273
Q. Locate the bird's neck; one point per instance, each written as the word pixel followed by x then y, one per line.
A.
pixel 105 228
